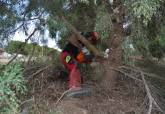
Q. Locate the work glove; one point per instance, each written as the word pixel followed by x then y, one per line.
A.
pixel 106 53
pixel 85 51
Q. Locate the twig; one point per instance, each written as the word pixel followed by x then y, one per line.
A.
pixel 148 94
pixel 156 104
pixel 16 29
pixel 126 74
pixel 30 57
pixel 145 73
pixel 22 46
pixel 39 71
pixel 151 99
pixel 23 21
pixel 30 68
pixel 32 99
pixel 12 59
pixel 61 97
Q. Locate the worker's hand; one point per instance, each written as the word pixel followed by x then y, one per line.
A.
pixel 107 52
pixel 104 56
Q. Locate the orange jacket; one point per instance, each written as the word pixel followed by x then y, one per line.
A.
pixel 81 58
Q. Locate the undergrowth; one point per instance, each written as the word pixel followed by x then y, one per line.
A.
pixel 12 84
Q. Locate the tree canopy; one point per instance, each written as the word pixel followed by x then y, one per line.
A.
pixel 146 17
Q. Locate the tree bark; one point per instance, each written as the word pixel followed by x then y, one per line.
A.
pixel 115 42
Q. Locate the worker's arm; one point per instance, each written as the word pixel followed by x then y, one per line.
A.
pixel 84 58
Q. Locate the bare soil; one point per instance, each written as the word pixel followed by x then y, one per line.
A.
pixel 125 97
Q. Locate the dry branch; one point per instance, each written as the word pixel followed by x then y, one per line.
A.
pixel 30 57
pixel 61 97
pixel 126 74
pixel 136 69
pixel 26 101
pixel 22 46
pixel 39 71
pixel 151 99
pixel 148 94
pixel 147 89
pixel 82 39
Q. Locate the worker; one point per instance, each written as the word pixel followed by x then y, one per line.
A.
pixel 75 53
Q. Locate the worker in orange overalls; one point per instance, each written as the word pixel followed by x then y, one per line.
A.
pixel 75 52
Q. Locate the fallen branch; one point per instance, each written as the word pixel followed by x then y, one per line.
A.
pixel 30 68
pixel 61 97
pixel 29 100
pixel 126 74
pixel 151 99
pixel 148 94
pixel 39 71
pixel 155 103
pixel 136 69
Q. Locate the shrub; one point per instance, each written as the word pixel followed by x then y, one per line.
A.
pixel 12 84
pixel 13 46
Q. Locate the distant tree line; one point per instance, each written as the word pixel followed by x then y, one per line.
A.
pixel 38 50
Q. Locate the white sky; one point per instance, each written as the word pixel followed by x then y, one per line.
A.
pixel 20 36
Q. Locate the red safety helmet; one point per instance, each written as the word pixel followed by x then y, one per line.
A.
pixel 91 36
pixel 95 36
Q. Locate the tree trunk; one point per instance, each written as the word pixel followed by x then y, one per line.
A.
pixel 115 42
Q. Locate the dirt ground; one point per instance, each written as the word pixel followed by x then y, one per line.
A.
pixel 44 90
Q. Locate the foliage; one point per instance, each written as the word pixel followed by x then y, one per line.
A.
pixel 143 9
pixel 128 51
pixel 157 45
pixel 39 50
pixel 162 38
pixel 156 49
pixel 103 22
pixel 147 18
pixel 10 15
pixel 103 26
pixel 78 13
pixel 11 85
pixel 55 27
pixel 13 46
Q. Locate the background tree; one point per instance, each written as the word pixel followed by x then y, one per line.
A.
pixel 144 17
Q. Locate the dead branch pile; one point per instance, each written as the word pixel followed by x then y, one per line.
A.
pixel 156 100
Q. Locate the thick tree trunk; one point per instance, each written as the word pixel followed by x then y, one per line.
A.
pixel 115 42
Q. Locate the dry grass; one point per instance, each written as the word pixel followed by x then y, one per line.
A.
pixel 128 96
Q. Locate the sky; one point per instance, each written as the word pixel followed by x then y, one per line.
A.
pixel 20 36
